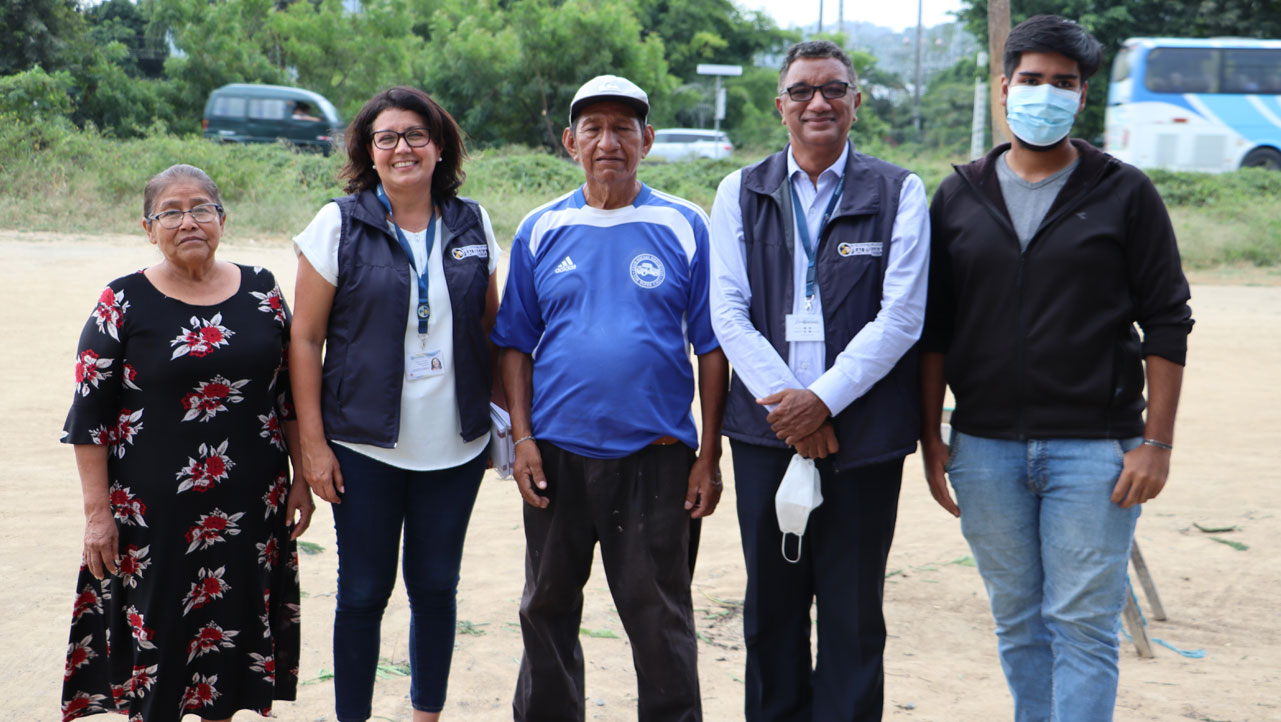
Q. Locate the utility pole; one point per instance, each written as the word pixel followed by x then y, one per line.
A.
pixel 916 84
pixel 820 16
pixel 978 130
pixel 998 29
pixel 840 16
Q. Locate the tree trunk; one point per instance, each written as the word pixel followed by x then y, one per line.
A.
pixel 998 29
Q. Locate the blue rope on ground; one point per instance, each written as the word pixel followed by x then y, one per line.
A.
pixel 1189 653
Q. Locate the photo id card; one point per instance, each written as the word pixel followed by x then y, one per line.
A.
pixel 804 327
pixel 423 364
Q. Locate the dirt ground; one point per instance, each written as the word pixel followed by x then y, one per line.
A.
pixel 941 660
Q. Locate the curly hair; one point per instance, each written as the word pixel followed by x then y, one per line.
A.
pixel 359 173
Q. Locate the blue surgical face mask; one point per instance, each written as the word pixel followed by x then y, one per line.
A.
pixel 1041 114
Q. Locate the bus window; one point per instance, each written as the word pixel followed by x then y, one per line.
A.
pixel 1183 70
pixel 1251 71
pixel 1121 65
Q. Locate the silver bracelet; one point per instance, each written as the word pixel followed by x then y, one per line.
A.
pixel 523 438
pixel 1159 444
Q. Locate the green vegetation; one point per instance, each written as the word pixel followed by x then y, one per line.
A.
pixel 58 179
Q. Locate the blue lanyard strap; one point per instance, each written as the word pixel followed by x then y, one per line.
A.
pixel 803 228
pixel 424 309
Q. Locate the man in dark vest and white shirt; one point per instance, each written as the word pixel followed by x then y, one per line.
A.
pixel 819 264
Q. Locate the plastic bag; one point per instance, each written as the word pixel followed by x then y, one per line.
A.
pixel 799 494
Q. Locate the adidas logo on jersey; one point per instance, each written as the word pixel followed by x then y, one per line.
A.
pixel 565 265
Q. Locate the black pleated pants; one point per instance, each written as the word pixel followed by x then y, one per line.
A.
pixel 842 568
pixel 635 508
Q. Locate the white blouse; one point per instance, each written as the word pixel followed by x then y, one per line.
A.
pixel 430 427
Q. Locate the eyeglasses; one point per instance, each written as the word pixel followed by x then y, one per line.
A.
pixel 389 139
pixel 203 213
pixel 803 92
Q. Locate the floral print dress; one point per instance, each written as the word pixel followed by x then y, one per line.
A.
pixel 202 617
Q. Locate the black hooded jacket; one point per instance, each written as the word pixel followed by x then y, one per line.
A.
pixel 1041 343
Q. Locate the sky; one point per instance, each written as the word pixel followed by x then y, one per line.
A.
pixel 894 14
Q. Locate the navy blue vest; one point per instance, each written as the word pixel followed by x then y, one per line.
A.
pixel 364 349
pixel 885 422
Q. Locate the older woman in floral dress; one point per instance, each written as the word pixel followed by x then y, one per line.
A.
pixel 187 601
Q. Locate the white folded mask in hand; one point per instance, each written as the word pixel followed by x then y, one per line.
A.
pixel 799 494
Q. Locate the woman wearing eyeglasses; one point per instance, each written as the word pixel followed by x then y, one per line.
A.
pixel 396 284
pixel 187 601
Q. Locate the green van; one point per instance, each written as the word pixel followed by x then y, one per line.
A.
pixel 248 113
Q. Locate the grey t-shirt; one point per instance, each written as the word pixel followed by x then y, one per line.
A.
pixel 1029 202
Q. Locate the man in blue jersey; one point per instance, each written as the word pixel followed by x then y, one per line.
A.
pixel 819 265
pixel 606 293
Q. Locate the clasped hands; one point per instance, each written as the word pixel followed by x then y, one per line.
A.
pixel 803 421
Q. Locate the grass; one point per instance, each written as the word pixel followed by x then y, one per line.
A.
pixel 57 179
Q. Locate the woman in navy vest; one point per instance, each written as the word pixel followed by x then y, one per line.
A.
pixel 396 284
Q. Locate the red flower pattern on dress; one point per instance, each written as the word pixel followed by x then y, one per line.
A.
pixel 129 377
pixel 132 564
pixel 109 314
pixel 89 370
pixel 212 468
pixel 266 664
pixel 209 639
pixel 138 627
pixel 207 587
pixel 276 495
pixel 268 553
pixel 212 528
pixel 126 508
pixel 137 686
pixel 88 601
pixel 82 704
pixel 128 424
pixel 210 397
pixel 201 693
pixel 271 302
pixel 202 338
pixel 271 429
pixel 78 655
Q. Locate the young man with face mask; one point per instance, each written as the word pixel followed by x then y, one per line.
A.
pixel 1044 255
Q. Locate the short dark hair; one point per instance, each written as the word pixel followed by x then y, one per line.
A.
pixel 174 173
pixel 1053 34
pixel 359 172
pixel 813 49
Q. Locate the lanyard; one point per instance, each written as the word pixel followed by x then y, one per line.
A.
pixel 424 310
pixel 803 228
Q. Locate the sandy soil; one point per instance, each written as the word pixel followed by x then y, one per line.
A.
pixel 941 659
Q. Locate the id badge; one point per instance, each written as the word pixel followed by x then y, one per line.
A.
pixel 423 364
pixel 804 327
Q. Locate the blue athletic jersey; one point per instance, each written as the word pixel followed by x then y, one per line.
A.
pixel 608 302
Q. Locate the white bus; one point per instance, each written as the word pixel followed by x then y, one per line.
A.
pixel 1210 105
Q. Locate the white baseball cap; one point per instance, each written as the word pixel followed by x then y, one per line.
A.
pixel 609 87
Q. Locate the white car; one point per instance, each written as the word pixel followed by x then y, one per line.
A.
pixel 690 143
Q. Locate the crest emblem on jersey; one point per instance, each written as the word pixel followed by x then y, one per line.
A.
pixel 859 249
pixel 647 271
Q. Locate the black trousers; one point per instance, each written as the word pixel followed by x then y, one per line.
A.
pixel 635 508
pixel 842 566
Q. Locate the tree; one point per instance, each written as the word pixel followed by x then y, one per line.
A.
pixel 330 49
pixel 512 74
pixel 38 33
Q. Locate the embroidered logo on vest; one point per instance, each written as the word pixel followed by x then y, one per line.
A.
pixel 468 251
pixel 859 249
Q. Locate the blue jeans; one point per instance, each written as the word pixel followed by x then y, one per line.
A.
pixel 433 507
pixel 1053 551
